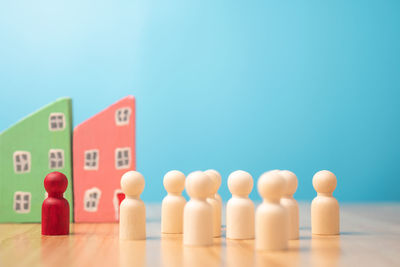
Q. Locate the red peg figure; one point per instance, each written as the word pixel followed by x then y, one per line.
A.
pixel 55 208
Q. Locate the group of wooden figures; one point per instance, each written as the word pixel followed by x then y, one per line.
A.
pixel 272 224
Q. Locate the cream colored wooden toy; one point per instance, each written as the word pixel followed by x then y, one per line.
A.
pixel 218 184
pixel 214 202
pixel 271 216
pixel 198 213
pixel 240 209
pixel 274 171
pixel 324 207
pixel 291 204
pixel 173 204
pixel 132 219
pixel 373 242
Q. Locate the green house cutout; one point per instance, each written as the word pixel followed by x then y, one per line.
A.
pixel 29 150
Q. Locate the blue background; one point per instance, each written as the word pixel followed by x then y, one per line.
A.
pixel 252 85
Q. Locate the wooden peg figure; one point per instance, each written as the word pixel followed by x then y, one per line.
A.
pixel 240 209
pixel 324 207
pixel 291 204
pixel 214 202
pixel 271 216
pixel 55 208
pixel 217 184
pixel 173 204
pixel 198 213
pixel 132 219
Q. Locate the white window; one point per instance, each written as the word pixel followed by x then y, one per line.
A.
pixel 22 161
pixel 91 159
pixel 56 121
pixel 122 158
pixel 56 159
pixel 122 116
pixel 22 202
pixel 91 199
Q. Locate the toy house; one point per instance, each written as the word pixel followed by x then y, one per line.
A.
pixel 29 150
pixel 104 149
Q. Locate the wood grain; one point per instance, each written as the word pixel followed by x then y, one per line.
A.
pixel 370 236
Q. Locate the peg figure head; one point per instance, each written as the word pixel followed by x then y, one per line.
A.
pixel 291 182
pixel 216 180
pixel 198 185
pixel 324 182
pixel 174 182
pixel 132 183
pixel 240 183
pixel 55 183
pixel 271 186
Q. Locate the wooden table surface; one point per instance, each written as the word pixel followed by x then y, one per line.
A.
pixel 370 236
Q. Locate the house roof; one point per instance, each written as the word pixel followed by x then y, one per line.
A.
pixel 44 108
pixel 86 123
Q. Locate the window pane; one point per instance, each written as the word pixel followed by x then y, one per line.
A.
pixel 17 206
pixel 60 164
pixel 26 166
pixel 26 206
pixel 18 197
pixel 87 204
pixel 93 163
pixel 52 155
pixel 94 155
pixel 26 197
pixel 18 167
pixel 17 158
pixel 88 155
pixel 126 153
pixel 59 154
